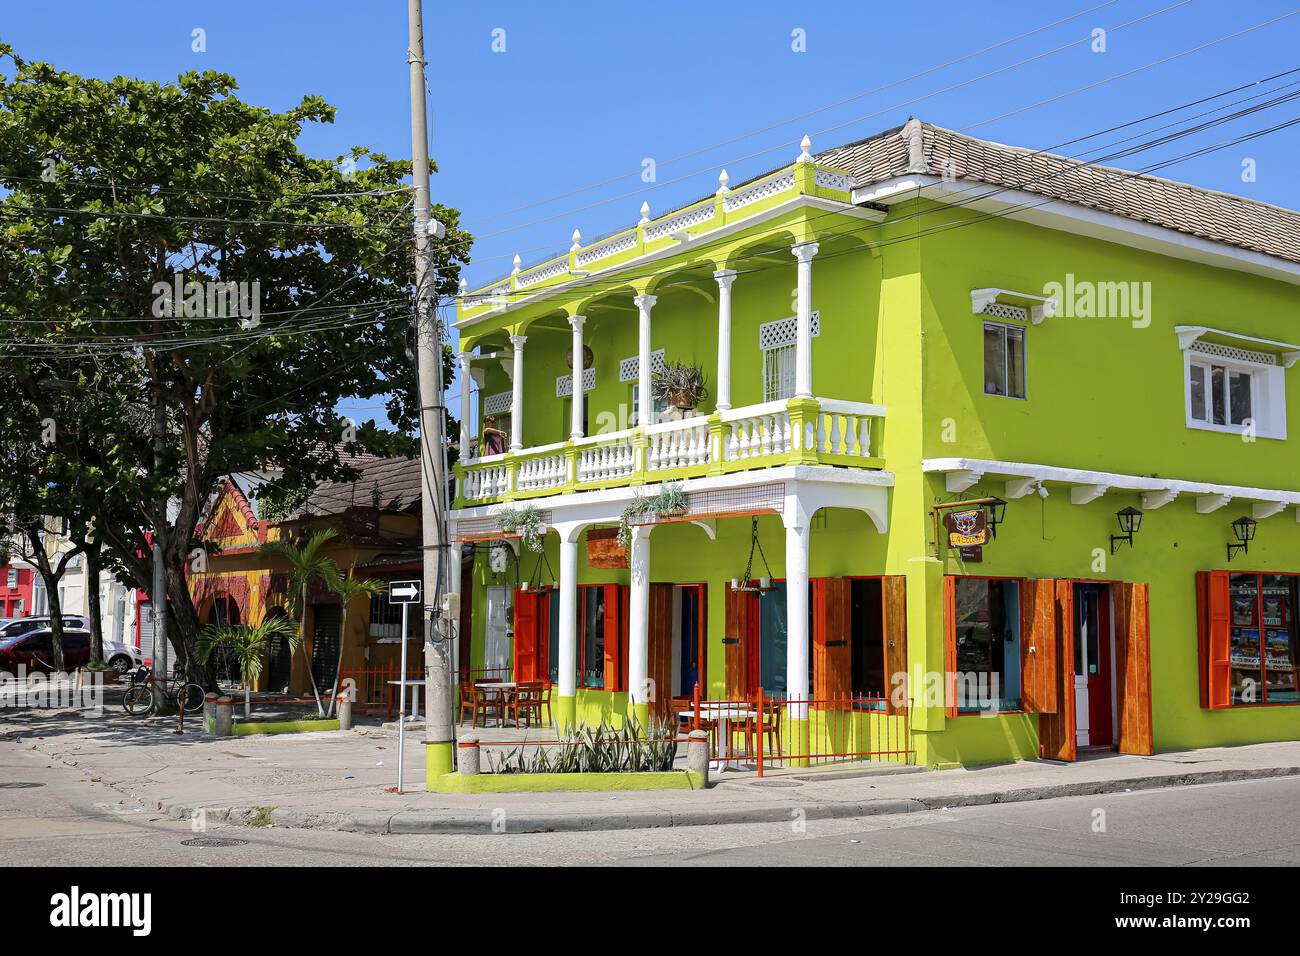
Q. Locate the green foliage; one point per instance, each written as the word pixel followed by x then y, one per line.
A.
pixel 248 644
pixel 600 749
pixel 307 565
pixel 670 499
pixel 681 384
pixel 525 521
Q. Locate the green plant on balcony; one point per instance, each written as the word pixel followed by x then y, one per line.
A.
pixel 680 385
pixel 525 522
pixel 668 502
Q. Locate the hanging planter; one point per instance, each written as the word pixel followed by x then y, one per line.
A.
pixel 525 522
pixel 605 550
pixel 749 583
pixel 669 502
pixel 588 357
pixel 681 386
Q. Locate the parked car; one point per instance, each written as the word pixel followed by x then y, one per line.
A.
pixel 124 657
pixel 34 650
pixel 23 625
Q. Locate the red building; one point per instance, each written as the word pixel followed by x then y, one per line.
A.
pixel 15 589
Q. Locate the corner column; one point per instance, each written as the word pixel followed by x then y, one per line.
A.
pixel 725 277
pixel 566 703
pixel 466 426
pixel 804 253
pixel 575 420
pixel 517 394
pixel 645 416
pixel 797 639
pixel 640 692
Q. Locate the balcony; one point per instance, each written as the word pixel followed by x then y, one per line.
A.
pixel 816 431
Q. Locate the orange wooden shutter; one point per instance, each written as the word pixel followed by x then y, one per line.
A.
pixel 894 587
pixel 950 640
pixel 616 612
pixel 1218 627
pixel 525 635
pixel 735 641
pixel 1133 668
pixel 832 652
pixel 1038 663
pixel 1057 732
pixel 660 669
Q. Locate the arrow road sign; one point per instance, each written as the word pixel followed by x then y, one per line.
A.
pixel 403 592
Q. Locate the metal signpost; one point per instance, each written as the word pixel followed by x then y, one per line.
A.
pixel 404 593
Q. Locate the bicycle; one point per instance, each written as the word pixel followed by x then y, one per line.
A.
pixel 140 699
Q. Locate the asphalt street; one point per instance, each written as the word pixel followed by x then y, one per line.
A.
pixel 54 815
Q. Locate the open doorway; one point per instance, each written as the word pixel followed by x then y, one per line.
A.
pixel 1094 670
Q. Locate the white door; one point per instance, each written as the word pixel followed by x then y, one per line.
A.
pixel 498 634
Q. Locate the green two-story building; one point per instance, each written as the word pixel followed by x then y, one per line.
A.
pixel 993 461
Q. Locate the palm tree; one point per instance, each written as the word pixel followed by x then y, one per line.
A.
pixel 348 588
pixel 249 645
pixel 306 566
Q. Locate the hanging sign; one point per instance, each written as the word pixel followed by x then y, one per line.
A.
pixel 968 532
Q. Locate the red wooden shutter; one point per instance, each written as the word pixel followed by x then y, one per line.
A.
pixel 894 593
pixel 950 640
pixel 1057 732
pixel 832 652
pixel 735 642
pixel 616 612
pixel 1133 668
pixel 525 635
pixel 1038 663
pixel 1218 626
pixel 464 643
pixel 660 650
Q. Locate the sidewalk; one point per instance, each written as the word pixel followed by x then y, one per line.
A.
pixel 337 781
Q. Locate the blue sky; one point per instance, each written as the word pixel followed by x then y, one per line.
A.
pixel 584 92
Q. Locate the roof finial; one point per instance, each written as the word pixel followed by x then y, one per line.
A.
pixel 645 213
pixel 518 262
pixel 805 144
pixel 464 285
pixel 723 181
pixel 577 241
pixel 914 135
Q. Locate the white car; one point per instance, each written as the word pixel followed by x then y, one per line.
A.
pixel 123 657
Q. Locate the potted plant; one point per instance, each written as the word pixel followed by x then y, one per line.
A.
pixel 525 522
pixel 680 385
pixel 668 502
pixel 588 357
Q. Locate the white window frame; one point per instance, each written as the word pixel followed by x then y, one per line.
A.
pixel 1267 392
pixel 775 341
pixel 1024 358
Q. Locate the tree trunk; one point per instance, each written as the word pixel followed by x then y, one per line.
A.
pixel 51 581
pixel 183 628
pixel 338 667
pixel 92 602
pixel 302 642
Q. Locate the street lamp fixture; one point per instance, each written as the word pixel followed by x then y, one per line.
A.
pixel 1244 529
pixel 997 513
pixel 1130 523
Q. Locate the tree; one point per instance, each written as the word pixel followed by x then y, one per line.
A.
pixel 348 589
pixel 207 292
pixel 249 645
pixel 307 566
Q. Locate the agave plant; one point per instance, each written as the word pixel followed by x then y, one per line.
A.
pixel 599 749
pixel 681 385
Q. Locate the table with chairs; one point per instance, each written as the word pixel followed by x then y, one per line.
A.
pixel 526 703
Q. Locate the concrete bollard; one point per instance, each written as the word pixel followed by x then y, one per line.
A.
pixel 225 719
pixel 467 756
pixel 343 707
pixel 697 754
pixel 210 714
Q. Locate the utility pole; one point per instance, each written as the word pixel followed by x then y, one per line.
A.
pixel 437 648
pixel 158 599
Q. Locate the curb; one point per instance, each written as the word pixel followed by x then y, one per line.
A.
pixel 482 822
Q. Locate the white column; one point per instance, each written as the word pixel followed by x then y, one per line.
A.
pixel 575 426
pixel 517 394
pixel 725 277
pixel 804 252
pixel 568 644
pixel 638 638
pixel 645 416
pixel 796 611
pixel 467 426
pixel 453 586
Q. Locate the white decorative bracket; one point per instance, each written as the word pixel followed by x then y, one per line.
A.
pixel 1019 487
pixel 1188 335
pixel 1207 504
pixel 959 481
pixel 1083 494
pixel 1151 500
pixel 1039 307
pixel 1266 509
pixel 710 527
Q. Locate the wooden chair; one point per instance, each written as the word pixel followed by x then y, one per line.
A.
pixel 766 724
pixel 683 709
pixel 528 701
pixel 478 702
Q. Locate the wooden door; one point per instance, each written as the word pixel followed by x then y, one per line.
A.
pixel 1057 732
pixel 894 599
pixel 741 615
pixel 616 618
pixel 526 632
pixel 660 650
pixel 1039 670
pixel 832 629
pixel 1214 627
pixel 1133 668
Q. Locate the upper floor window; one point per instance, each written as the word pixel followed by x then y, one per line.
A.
pixel 1219 394
pixel 1231 388
pixel 776 340
pixel 1004 360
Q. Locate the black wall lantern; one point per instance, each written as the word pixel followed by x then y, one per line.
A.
pixel 1130 523
pixel 997 513
pixel 1244 529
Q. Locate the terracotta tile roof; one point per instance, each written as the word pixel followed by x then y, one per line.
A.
pixel 396 481
pixel 1218 217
